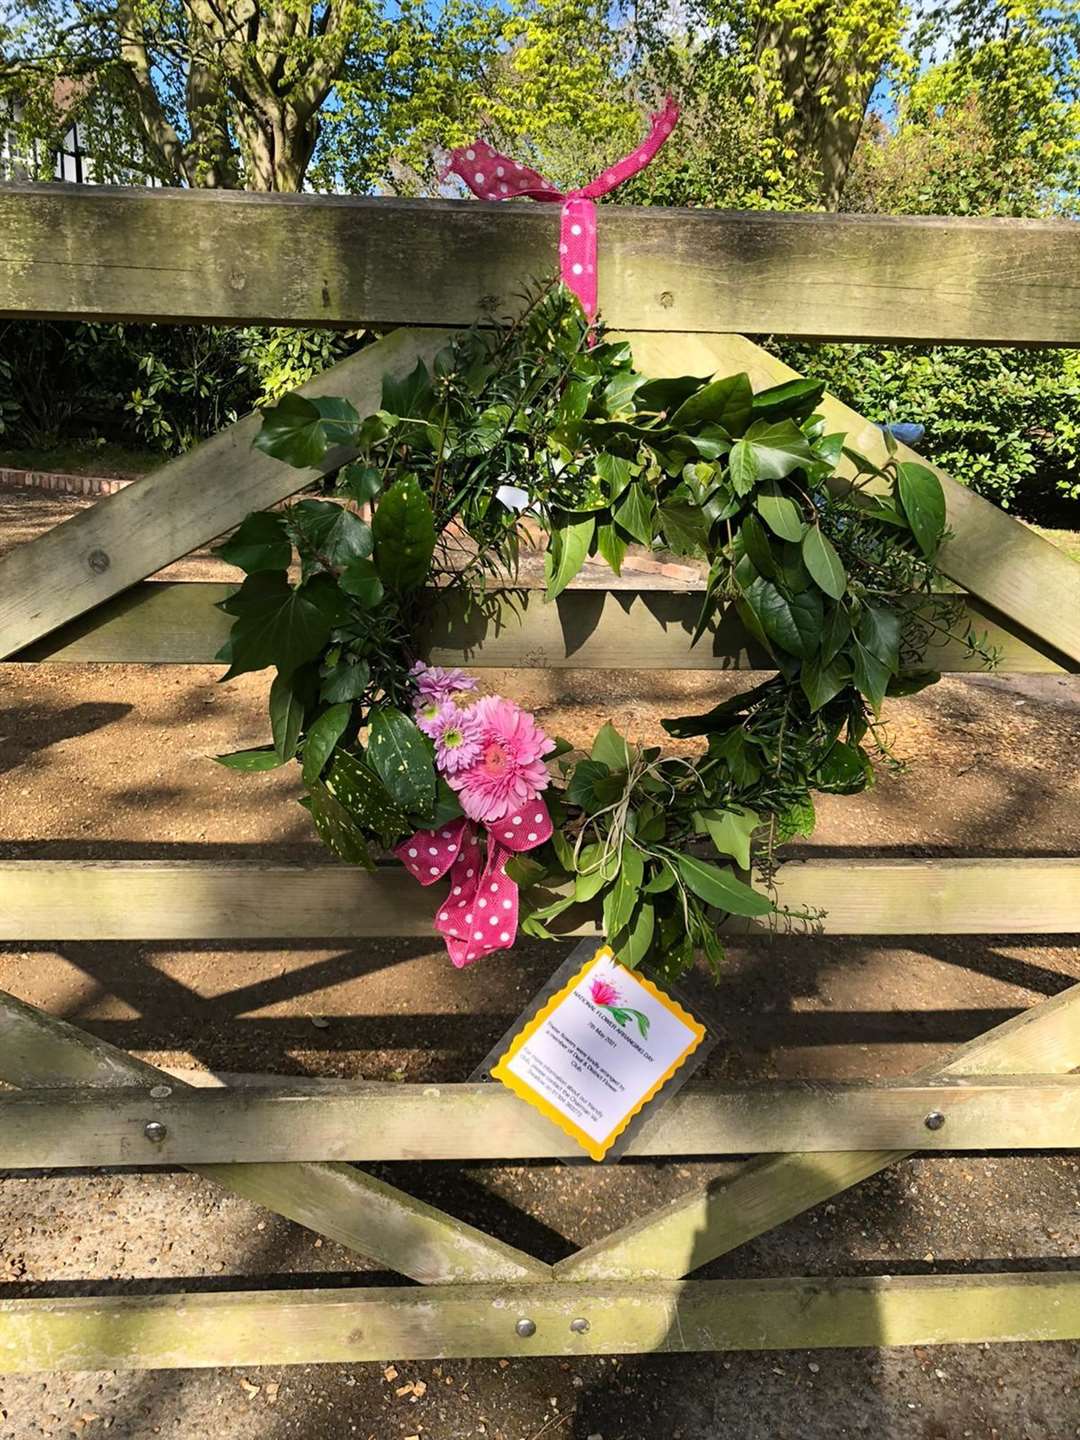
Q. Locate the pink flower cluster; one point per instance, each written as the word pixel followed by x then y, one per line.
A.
pixel 490 750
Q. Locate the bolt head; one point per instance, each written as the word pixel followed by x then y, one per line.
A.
pixel 98 561
pixel 525 1327
pixel 935 1120
pixel 155 1131
pixel 579 1326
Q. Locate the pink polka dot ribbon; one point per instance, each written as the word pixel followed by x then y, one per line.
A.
pixel 492 176
pixel 480 914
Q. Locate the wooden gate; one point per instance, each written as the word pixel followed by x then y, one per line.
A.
pixel 680 284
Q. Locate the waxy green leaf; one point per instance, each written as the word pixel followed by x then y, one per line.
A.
pixel 721 888
pixel 401 759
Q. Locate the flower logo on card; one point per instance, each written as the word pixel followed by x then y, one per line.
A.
pixel 606 997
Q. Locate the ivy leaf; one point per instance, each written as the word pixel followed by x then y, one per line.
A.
pixel 792 400
pixel 411 396
pixel 321 739
pixel 250 761
pixel 611 546
pixel 259 543
pixel 361 580
pixel 730 831
pixel 568 545
pixel 612 749
pixel 634 512
pixel 619 392
pixel 360 483
pixel 780 513
pixel 336 828
pixel 743 467
pixel 403 528
pixel 279 625
pixel 727 402
pixel 615 472
pixel 686 530
pixel 286 717
pixel 799 818
pixel 711 442
pixel 366 798
pixel 346 681
pixel 740 755
pixel 821 680
pixel 844 770
pixel 299 430
pixel 794 624
pixel 668 394
pixel 633 946
pixel 779 448
pixel 721 888
pixel 923 500
pixel 583 782
pixel 620 900
pixel 401 759
pixel 330 531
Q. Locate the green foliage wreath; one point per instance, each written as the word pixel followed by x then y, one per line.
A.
pixel 833 576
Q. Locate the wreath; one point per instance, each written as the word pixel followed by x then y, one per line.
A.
pixel 548 424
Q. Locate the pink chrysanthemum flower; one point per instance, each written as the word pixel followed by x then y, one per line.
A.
pixel 426 714
pixel 457 738
pixel 603 992
pixel 509 770
pixel 434 683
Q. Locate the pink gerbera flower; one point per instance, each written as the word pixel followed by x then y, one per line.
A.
pixel 603 992
pixel 434 683
pixel 456 735
pixel 509 770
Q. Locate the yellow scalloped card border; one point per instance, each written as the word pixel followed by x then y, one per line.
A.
pixel 596 1149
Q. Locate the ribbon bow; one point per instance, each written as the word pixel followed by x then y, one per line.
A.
pixel 492 176
pixel 481 912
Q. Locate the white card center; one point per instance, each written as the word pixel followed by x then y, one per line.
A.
pixel 602 1049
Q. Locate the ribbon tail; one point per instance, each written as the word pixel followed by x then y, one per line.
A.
pixel 577 250
pixel 480 915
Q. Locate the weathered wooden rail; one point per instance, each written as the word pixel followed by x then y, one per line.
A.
pixel 681 283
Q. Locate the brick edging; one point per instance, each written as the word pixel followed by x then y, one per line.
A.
pixel 60 483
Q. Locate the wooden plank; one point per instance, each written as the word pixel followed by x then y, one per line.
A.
pixel 349 1121
pixel 163 516
pixel 355 1209
pixel 993 556
pixel 214 899
pixel 311 1327
pixel 136 254
pixel 710 1221
pixel 176 624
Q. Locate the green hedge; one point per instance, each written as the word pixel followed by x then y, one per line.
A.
pixel 1006 422
pixel 156 387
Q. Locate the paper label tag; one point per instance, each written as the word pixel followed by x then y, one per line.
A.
pixel 598 1051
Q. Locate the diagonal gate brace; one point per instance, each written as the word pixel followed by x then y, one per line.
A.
pixel 710 1221
pixel 335 1200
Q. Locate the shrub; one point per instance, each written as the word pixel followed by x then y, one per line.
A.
pixel 155 387
pixel 1006 422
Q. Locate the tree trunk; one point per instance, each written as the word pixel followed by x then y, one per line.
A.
pixel 828 94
